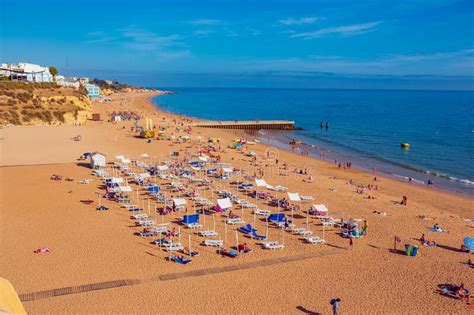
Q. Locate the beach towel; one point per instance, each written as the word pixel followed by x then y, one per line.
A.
pixel 42 250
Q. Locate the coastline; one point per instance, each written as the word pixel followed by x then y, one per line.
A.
pixel 89 246
pixel 283 146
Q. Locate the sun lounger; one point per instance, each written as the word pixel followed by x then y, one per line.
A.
pixel 174 247
pixel 273 245
pixel 277 218
pixel 234 221
pixel 140 216
pixel 262 212
pixel 180 260
pixel 145 223
pixel 208 233
pixel 301 231
pixel 214 243
pixel 247 229
pixel 314 240
pixel 256 236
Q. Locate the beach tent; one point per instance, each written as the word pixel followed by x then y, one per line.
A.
pixel 9 301
pixel 97 160
pixel 224 204
pixel 179 202
pixel 126 161
pixel 320 208
pixel 116 180
pixel 203 159
pixel 144 155
pixel 125 188
pixel 294 196
pixel 144 175
pixel 262 183
pixel 227 169
pixel 119 157
pixel 162 167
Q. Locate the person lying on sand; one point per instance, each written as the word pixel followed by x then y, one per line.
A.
pixel 463 293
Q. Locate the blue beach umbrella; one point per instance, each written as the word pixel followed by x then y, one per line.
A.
pixel 86 154
pixel 469 243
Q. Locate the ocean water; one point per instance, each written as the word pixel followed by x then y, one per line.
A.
pixel 366 127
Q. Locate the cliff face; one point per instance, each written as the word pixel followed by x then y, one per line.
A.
pixel 42 104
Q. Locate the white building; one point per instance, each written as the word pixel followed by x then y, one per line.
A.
pixel 26 72
pixel 97 160
pixel 67 82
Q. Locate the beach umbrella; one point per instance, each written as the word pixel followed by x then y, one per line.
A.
pixel 469 243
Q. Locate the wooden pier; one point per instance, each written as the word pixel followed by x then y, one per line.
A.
pixel 248 125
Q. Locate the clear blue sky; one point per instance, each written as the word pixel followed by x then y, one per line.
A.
pixel 316 43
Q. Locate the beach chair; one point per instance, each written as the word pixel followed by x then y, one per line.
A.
pixel 145 223
pixel 140 216
pixel 180 260
pixel 247 229
pixel 208 233
pixel 273 245
pixel 277 218
pixel 234 221
pixel 256 236
pixel 172 247
pixel 192 221
pixel 262 212
pixel 314 240
pixel 213 243
pixel 301 231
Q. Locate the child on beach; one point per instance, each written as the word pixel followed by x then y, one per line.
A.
pixel 404 201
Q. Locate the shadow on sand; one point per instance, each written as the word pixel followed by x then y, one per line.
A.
pixel 306 311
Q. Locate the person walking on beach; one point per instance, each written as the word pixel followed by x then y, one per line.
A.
pixel 351 243
pixel 336 305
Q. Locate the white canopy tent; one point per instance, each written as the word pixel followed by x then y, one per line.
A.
pixel 227 169
pixel 125 188
pixel 179 202
pixel 294 196
pixel 320 208
pixel 224 203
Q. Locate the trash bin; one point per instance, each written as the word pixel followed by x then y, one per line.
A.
pixel 414 250
pixel 408 248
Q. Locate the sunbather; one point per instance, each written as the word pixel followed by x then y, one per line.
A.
pixel 463 293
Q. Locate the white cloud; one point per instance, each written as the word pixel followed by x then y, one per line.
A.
pixel 299 21
pixel 355 29
pixel 460 62
pixel 205 22
pixel 230 33
pixel 254 32
pixel 140 39
pixel 203 32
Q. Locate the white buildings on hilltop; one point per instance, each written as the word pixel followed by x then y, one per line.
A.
pixel 26 72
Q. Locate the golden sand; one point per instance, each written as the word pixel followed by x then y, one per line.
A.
pixel 89 246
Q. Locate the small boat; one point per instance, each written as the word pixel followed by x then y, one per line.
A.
pixel 405 145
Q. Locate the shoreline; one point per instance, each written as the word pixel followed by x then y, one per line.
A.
pixel 383 173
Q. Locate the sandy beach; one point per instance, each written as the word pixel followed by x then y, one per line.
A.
pixel 96 247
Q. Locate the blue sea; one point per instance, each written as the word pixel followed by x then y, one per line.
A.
pixel 366 127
